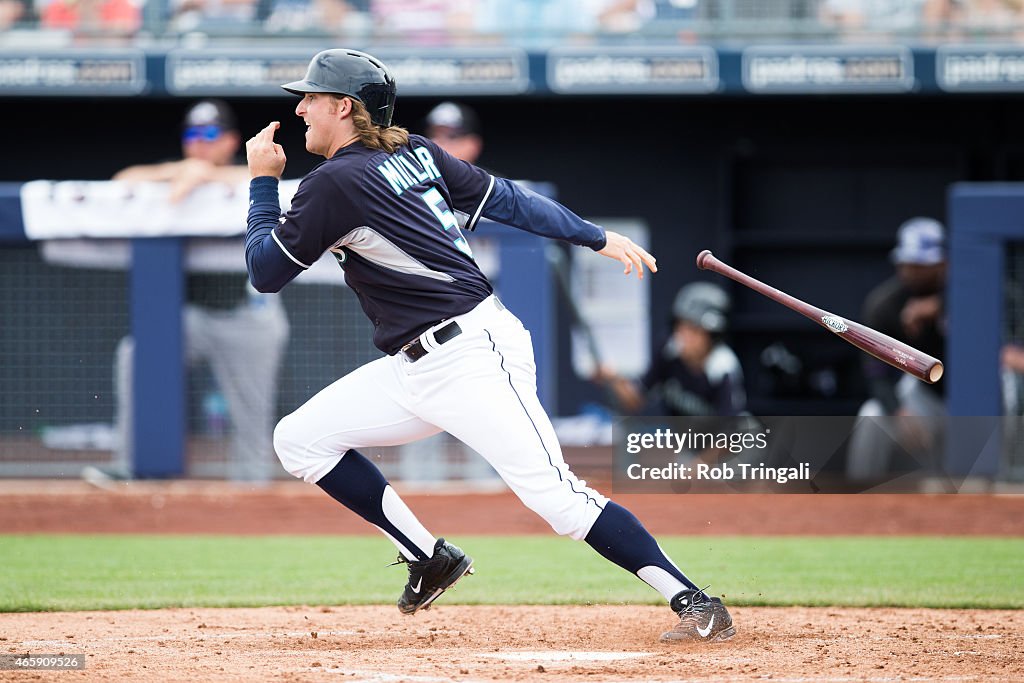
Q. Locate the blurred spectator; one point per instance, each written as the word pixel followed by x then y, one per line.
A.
pixel 544 19
pixel 11 12
pixel 456 129
pixel 909 306
pixel 424 21
pixel 696 373
pixel 103 16
pixel 1012 357
pixel 241 333
pixel 995 14
pixel 1011 360
pixel 959 18
pixel 1012 353
pixel 938 16
pixel 538 20
pixel 627 16
pixel 881 15
pixel 191 15
pixel 347 17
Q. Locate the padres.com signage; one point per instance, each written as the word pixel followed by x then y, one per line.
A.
pixel 234 72
pixel 73 72
pixel 666 70
pixel 836 69
pixel 449 72
pixel 459 71
pixel 971 68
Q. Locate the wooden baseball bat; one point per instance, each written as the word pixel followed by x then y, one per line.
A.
pixel 883 347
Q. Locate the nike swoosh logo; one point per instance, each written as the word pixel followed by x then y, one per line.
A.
pixel 419 583
pixel 704 632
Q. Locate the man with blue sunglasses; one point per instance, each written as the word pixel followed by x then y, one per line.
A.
pixel 209 144
pixel 240 332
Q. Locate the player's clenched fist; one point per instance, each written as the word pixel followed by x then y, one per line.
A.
pixel 266 157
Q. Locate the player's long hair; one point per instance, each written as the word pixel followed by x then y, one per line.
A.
pixel 377 137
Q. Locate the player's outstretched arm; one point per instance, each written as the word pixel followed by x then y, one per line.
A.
pixel 511 204
pixel 629 253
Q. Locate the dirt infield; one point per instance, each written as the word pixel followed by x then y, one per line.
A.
pixel 604 643
pixel 458 643
pixel 294 507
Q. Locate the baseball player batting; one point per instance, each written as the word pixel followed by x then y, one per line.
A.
pixel 383 203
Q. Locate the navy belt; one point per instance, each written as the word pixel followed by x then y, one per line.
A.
pixel 415 350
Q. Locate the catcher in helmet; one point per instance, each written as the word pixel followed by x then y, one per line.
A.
pixel 695 372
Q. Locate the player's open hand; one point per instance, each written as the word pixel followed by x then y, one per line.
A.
pixel 266 157
pixel 630 254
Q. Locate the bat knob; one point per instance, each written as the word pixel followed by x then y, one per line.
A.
pixel 701 258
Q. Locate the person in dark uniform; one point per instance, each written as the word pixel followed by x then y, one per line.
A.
pixel 696 373
pixel 457 360
pixel 904 413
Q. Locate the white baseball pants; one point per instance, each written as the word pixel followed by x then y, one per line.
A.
pixel 480 387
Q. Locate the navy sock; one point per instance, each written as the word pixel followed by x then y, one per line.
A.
pixel 356 483
pixel 619 537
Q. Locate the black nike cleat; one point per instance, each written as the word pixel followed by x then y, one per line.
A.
pixel 429 578
pixel 701 619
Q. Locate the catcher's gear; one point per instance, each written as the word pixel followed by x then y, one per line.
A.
pixel 353 74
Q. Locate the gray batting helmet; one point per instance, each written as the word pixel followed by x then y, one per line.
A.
pixel 354 74
pixel 703 304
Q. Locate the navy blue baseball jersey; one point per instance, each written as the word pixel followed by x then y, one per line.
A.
pixel 390 221
pixel 716 389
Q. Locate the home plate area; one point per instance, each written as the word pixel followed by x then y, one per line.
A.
pixel 487 643
pixel 556 656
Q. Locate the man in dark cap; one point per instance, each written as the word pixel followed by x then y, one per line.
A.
pixel 455 128
pixel 240 332
pixel 904 412
pixel 209 143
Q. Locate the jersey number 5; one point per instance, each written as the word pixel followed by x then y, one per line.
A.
pixel 440 208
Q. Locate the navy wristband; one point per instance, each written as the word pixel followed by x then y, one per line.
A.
pixel 263 189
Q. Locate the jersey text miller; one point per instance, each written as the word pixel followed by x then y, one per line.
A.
pixel 402 172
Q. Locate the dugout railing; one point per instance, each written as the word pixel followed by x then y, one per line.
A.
pixel 56 322
pixel 71 299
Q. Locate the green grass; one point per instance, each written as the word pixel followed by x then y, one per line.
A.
pixel 77 572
